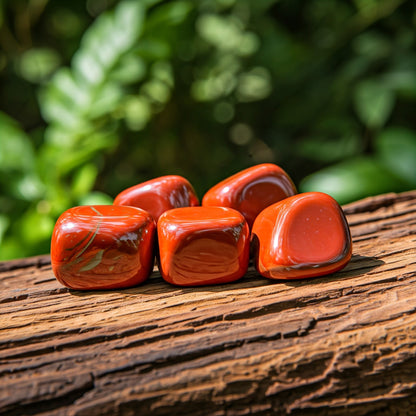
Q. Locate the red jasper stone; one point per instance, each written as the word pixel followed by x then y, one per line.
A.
pixel 103 247
pixel 202 245
pixel 303 236
pixel 159 195
pixel 251 190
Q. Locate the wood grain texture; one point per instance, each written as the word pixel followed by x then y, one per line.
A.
pixel 342 344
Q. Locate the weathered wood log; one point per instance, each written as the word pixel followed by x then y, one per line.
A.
pixel 342 344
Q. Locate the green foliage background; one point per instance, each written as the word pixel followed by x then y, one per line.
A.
pixel 100 95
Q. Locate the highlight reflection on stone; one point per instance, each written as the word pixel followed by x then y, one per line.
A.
pixel 303 236
pixel 159 195
pixel 103 247
pixel 202 245
pixel 251 190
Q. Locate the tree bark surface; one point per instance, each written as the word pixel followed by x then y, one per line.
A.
pixel 336 345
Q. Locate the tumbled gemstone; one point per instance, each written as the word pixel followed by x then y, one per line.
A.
pixel 303 236
pixel 159 195
pixel 202 245
pixel 103 247
pixel 251 190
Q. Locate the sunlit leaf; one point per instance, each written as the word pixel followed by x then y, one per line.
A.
pixel 222 32
pixel 87 68
pixel 80 103
pixel 128 19
pixel 59 108
pixel 106 100
pixel 28 187
pixel 75 94
pixel 36 227
pixel 97 141
pixel 353 179
pixel 84 180
pixel 137 112
pixel 95 198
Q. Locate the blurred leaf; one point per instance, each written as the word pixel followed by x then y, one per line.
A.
pixel 38 63
pixel 58 199
pixel 96 142
pixel 373 102
pixel 131 69
pixel 396 148
pixel 128 19
pixel 353 179
pixel 85 90
pixel 249 44
pixel 4 223
pixel 328 150
pixel 403 82
pixel 58 108
pixel 65 23
pixel 81 103
pixel 137 112
pixel 106 41
pixel 106 100
pixel 28 187
pixel 63 99
pixel 84 180
pixel 222 32
pixel 96 198
pixel 158 92
pixel 152 48
pixel 366 7
pixel 254 85
pixel 172 13
pixel 150 3
pixel 162 71
pixel 36 227
pixel 11 248
pixel 372 45
pixel 16 150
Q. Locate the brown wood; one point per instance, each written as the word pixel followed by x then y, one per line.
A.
pixel 343 344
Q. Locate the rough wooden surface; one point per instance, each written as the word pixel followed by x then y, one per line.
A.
pixel 343 344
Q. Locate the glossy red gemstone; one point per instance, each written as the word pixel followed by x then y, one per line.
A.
pixel 159 195
pixel 202 245
pixel 103 247
pixel 251 190
pixel 303 236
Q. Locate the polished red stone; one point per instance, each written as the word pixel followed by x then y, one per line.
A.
pixel 103 247
pixel 202 245
pixel 251 190
pixel 159 195
pixel 303 236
